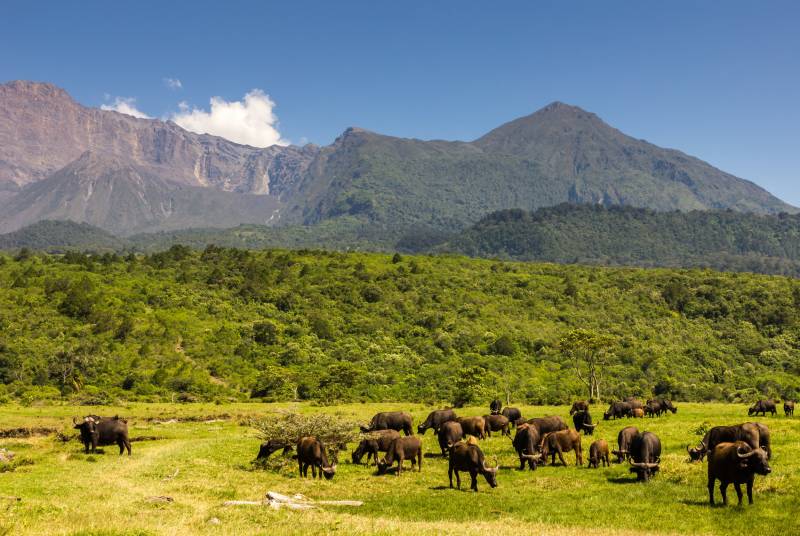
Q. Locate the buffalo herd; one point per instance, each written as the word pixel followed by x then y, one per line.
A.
pixel 735 453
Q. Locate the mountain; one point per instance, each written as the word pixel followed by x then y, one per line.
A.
pixel 591 234
pixel 42 129
pixel 168 178
pixel 61 236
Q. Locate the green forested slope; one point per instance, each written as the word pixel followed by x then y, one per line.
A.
pixel 334 326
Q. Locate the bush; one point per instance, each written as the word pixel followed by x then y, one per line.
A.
pixel 288 428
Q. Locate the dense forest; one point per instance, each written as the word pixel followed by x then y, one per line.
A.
pixel 222 324
pixel 628 236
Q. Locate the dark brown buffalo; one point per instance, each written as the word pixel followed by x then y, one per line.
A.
pixel 560 442
pixel 645 455
pixel 624 438
pixel 270 447
pixel 100 431
pixel 788 408
pixel 391 420
pixel 495 406
pixel 652 409
pixel 436 419
pixel 754 434
pixel 311 452
pixel 371 446
pixel 496 423
pixel 735 463
pixel 475 426
pixel 598 452
pixel 580 405
pixel 583 422
pixel 512 414
pixel 449 434
pixel 470 459
pixel 545 425
pixel 763 407
pixel 401 449
pixel 526 442
pixel 617 410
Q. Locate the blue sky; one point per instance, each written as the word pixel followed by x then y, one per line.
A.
pixel 717 79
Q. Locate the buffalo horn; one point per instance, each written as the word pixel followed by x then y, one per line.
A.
pixel 74 420
pixel 739 453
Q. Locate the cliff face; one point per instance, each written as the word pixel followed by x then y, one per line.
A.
pixel 42 129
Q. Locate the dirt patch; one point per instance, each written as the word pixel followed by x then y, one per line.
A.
pixel 26 432
pixel 192 418
pixel 146 438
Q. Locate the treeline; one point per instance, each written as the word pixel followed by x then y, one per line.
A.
pixel 628 236
pixel 279 325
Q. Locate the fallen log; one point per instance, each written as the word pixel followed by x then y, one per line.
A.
pixel 295 502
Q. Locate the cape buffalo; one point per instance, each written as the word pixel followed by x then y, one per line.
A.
pixel 754 434
pixel 512 414
pixel 788 408
pixel 373 445
pixel 475 426
pixel 633 401
pixel 549 424
pixel 763 407
pixel 390 420
pixel 624 438
pixel 598 452
pixel 311 452
pixel 560 442
pixel 735 463
pixel 526 442
pixel 436 419
pixel 470 458
pixel 496 423
pixel 645 455
pixel 268 448
pixel 617 410
pixel 637 413
pixel 583 422
pixel 401 449
pixel 652 408
pixel 449 434
pixel 100 431
pixel 580 405
pixel 495 406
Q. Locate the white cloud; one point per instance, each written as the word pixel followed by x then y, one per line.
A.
pixel 173 83
pixel 250 121
pixel 125 105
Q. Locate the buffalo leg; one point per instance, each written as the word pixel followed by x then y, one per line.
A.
pixel 578 456
pixel 738 488
pixel 473 475
pixel 749 491
pixel 450 475
pixel 560 457
pixel 458 479
pixel 313 470
pixel 400 461
pixel 711 492
pixel 723 489
pixel 419 460
pixel 121 445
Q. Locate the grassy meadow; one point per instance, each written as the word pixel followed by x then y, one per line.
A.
pixel 200 455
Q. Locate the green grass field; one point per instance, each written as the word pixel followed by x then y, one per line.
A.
pixel 202 463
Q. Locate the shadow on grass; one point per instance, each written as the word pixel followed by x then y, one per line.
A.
pixel 434 455
pixel 623 480
pixel 696 502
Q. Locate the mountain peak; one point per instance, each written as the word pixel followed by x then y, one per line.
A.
pixel 32 89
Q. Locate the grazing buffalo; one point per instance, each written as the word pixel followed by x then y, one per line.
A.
pixel 100 431
pixel 754 434
pixel 268 448
pixel 470 459
pixel 436 419
pixel 637 413
pixel 735 463
pixel 449 434
pixel 763 407
pixel 390 420
pixel 378 442
pixel 311 452
pixel 495 406
pixel 583 422
pixel 496 423
pixel 788 408
pixel 645 455
pixel 656 407
pixel 402 448
pixel 580 405
pixel 598 452
pixel 526 442
pixel 560 442
pixel 475 426
pixel 634 402
pixel 624 439
pixel 617 410
pixel 652 409
pixel 512 414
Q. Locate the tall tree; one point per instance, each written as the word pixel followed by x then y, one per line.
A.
pixel 589 351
